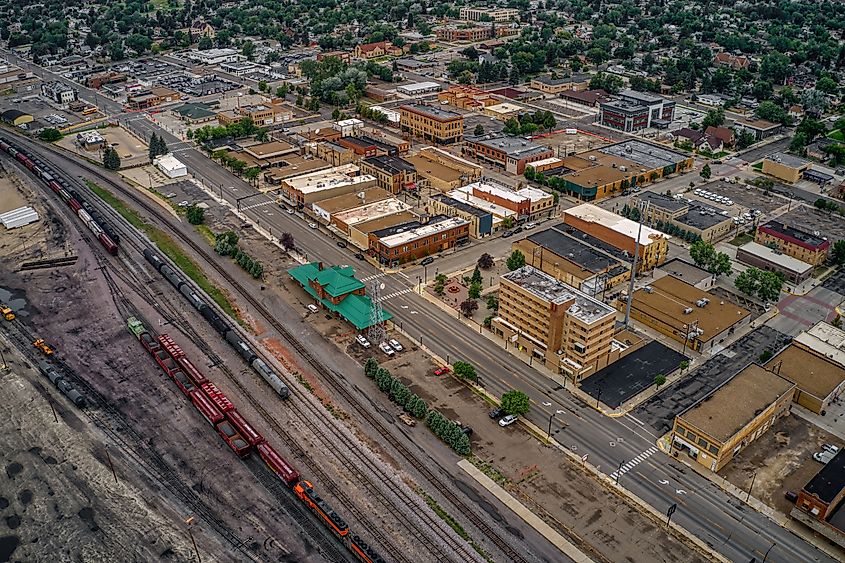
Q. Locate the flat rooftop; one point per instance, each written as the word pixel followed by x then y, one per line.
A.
pixel 669 298
pixel 802 238
pixel 435 112
pixel 811 372
pixel 265 150
pixel 497 190
pixel 760 124
pixel 386 221
pixel 702 217
pixel 662 201
pixel 829 480
pixel 461 205
pixel 392 164
pixel 641 97
pixel 775 257
pixel 420 86
pixel 644 154
pixel 533 194
pixel 403 234
pixel 681 269
pixel 514 147
pixel 372 210
pixel 433 168
pixel 328 179
pixel 350 201
pixel 594 214
pixel 825 339
pixel 788 160
pixel 725 411
pixel 544 286
pixel 465 196
pixel 574 250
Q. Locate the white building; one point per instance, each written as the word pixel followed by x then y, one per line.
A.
pixel 348 127
pixel 419 88
pixel 18 217
pixel 59 93
pixel 171 166
pixel 214 56
pixel 392 115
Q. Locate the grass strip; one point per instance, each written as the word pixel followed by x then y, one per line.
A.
pixel 497 476
pixel 167 246
pixel 446 517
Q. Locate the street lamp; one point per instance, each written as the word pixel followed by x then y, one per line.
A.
pixel 619 471
pixel 553 415
pixel 598 397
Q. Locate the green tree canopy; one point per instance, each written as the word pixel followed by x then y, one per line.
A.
pixel 515 402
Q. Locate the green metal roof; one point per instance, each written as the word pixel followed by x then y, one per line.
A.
pixel 338 281
pixel 195 110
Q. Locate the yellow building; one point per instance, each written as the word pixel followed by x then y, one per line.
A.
pixel 443 171
pixel 785 167
pixel 16 117
pixel 566 329
pixel 432 124
pixel 392 173
pixel 815 362
pixel 720 425
pixel 685 313
pixel 620 233
pixel 333 153
pixel 807 247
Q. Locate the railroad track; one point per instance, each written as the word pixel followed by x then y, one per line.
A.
pixel 330 377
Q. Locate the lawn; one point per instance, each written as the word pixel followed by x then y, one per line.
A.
pixel 168 246
pixel 741 239
pixel 757 166
pixel 837 135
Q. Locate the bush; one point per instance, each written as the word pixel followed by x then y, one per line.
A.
pixel 195 215
pixel 50 135
pixel 384 380
pixel 485 261
pixel 370 367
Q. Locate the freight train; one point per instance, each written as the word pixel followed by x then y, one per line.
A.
pixel 219 325
pixel 86 213
pixel 62 384
pixel 240 435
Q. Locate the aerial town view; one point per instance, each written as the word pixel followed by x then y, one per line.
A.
pixel 522 281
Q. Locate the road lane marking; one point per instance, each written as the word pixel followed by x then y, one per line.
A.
pixel 634 462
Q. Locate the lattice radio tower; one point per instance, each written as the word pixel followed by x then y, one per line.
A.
pixel 376 331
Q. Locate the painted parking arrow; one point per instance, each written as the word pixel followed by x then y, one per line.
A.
pixel 663 482
pixel 680 491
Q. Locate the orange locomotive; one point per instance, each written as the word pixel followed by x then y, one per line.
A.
pixel 305 491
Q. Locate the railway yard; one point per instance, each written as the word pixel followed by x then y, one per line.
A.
pixel 179 468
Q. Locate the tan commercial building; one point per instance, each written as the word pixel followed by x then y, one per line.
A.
pixel 443 171
pixel 489 14
pixel 293 165
pixel 511 153
pixel 466 97
pixel 815 362
pixel 549 85
pixel 700 220
pixel 572 261
pixel 480 220
pixel 685 313
pixel 620 233
pixel 432 124
pixel 333 153
pixel 807 247
pixel 260 114
pixel 567 330
pixel 785 167
pixel 720 425
pixel 392 173
pixel 327 208
pixel 316 186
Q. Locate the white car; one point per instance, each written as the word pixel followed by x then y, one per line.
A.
pixel 823 456
pixel 530 225
pixel 312 225
pixel 313 308
pixel 290 211
pixel 508 420
pixel 385 347
pixel 395 345
pixel 830 448
pixel 362 341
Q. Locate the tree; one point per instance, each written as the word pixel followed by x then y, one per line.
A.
pixel 111 160
pixel 705 172
pixel 468 307
pixel 370 367
pixel 287 241
pixel 474 290
pixel 50 135
pixel 702 253
pixel 205 44
pixel 827 85
pixel 515 402
pixel 798 143
pixel 248 49
pixel 492 302
pixel 282 90
pixel 770 111
pixel 775 67
pixel 765 285
pixel 714 118
pixel 683 365
pixel 720 265
pixel 465 370
pixel 838 252
pixel 195 215
pixel 476 275
pixel 485 261
pixel 479 130
pixel 659 380
pixel 252 174
pixel 262 86
pixel 516 260
pixel 745 139
pixel 610 83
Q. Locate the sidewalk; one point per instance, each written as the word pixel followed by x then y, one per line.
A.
pixel 758 505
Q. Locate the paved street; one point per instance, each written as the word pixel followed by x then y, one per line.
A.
pixel 725 523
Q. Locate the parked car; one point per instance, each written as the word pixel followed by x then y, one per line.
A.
pixel 426 261
pixel 508 420
pixel 830 448
pixel 465 429
pixel 385 347
pixel 341 244
pixel 790 496
pixel 496 413
pixel 290 211
pixel 312 225
pixel 442 370
pixel 518 230
pixel 530 225
pixel 362 341
pixel 507 234
pixel 824 456
pixel 313 308
pixel 395 345
pixel 359 256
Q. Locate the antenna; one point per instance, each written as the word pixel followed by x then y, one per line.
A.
pixel 376 331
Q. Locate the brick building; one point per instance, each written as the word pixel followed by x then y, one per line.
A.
pixel 807 247
pixel 432 124
pixel 392 173
pixel 511 153
pixel 634 111
pixel 413 240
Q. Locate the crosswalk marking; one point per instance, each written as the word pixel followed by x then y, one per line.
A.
pixel 372 277
pixel 254 205
pixel 396 294
pixel 634 462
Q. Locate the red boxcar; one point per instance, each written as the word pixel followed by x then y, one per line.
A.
pixel 243 427
pixel 216 395
pixel 206 407
pixel 278 464
pixel 233 439
pixel 108 244
pixel 74 205
pixel 172 348
pixel 191 370
pixel 54 185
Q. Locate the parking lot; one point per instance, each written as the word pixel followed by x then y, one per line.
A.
pixel 131 150
pixel 810 219
pixel 45 114
pixel 659 411
pixel 781 459
pixel 684 115
pixel 744 197
pixel 800 312
pixel 632 374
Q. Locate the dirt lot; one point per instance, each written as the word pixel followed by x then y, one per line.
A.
pixel 782 460
pixel 570 144
pixel 132 151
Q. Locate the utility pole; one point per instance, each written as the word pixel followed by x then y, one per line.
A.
pixel 643 212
